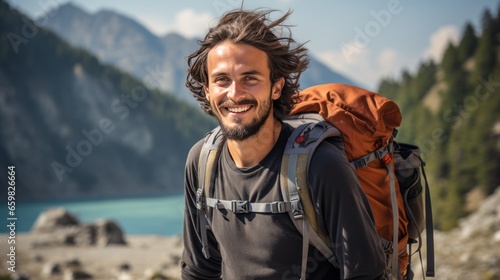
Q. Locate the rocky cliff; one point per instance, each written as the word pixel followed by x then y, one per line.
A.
pixel 472 250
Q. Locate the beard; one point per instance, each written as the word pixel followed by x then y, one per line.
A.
pixel 241 131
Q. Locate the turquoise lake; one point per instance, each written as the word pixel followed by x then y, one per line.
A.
pixel 150 215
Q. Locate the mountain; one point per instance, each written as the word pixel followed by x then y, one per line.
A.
pixel 76 128
pixel 122 41
pixel 451 109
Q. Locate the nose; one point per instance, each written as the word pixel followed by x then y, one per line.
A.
pixel 235 91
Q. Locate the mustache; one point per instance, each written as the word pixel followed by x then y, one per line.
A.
pixel 229 103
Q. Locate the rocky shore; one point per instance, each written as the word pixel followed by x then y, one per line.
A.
pixel 144 257
pixel 59 247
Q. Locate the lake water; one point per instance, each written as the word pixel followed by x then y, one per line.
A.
pixel 151 215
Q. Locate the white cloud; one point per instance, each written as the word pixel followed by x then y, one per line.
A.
pixel 439 40
pixel 186 22
pixel 191 24
pixel 364 66
pixel 389 62
pixel 157 26
pixel 368 68
pixel 356 67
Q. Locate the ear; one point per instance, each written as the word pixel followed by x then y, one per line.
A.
pixel 277 87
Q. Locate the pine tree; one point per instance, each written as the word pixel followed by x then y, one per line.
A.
pixel 486 20
pixel 485 56
pixel 468 44
pixel 459 144
pixel 389 88
pixel 455 77
pixel 451 62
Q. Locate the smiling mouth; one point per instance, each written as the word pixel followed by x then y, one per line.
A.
pixel 239 109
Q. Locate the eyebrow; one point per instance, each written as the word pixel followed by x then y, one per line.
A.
pixel 250 72
pixel 253 72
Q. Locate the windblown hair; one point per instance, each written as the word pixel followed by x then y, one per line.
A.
pixel 286 58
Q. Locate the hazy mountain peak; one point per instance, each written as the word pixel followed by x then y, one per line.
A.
pixel 71 7
pixel 123 21
pixel 175 37
pixel 123 41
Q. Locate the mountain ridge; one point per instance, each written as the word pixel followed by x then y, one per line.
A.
pixel 167 53
pixel 76 128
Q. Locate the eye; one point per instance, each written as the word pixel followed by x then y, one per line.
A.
pixel 221 81
pixel 250 80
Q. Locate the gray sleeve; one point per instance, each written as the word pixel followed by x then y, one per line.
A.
pixel 346 213
pixel 194 265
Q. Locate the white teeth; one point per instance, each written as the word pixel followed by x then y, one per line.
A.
pixel 238 109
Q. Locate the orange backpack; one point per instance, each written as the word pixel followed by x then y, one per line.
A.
pixel 368 123
pixel 388 172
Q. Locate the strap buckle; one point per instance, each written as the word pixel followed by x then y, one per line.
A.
pixel 297 209
pixel 380 153
pixel 239 206
pixel 360 163
pixel 278 207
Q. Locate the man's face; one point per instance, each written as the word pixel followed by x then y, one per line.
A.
pixel 240 90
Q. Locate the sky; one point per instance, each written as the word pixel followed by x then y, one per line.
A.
pixel 364 40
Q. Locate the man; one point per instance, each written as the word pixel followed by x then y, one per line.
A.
pixel 246 76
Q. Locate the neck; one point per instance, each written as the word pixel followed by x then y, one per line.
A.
pixel 251 151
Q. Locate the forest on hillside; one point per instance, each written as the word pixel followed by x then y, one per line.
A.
pixel 76 128
pixel 451 109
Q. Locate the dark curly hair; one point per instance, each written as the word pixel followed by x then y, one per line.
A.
pixel 286 58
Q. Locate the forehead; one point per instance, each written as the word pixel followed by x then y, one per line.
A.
pixel 228 56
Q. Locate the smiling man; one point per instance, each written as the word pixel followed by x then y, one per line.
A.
pixel 241 94
pixel 246 76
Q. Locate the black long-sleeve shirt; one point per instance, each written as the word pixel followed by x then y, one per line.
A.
pixel 268 246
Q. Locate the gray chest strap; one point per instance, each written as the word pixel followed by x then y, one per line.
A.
pixel 243 206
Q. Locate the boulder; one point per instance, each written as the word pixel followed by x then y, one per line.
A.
pixel 54 219
pixel 108 232
pixel 51 269
pixel 76 275
pixel 57 226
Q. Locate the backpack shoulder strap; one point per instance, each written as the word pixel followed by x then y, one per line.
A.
pixel 209 153
pixel 210 150
pixel 430 272
pixel 293 181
